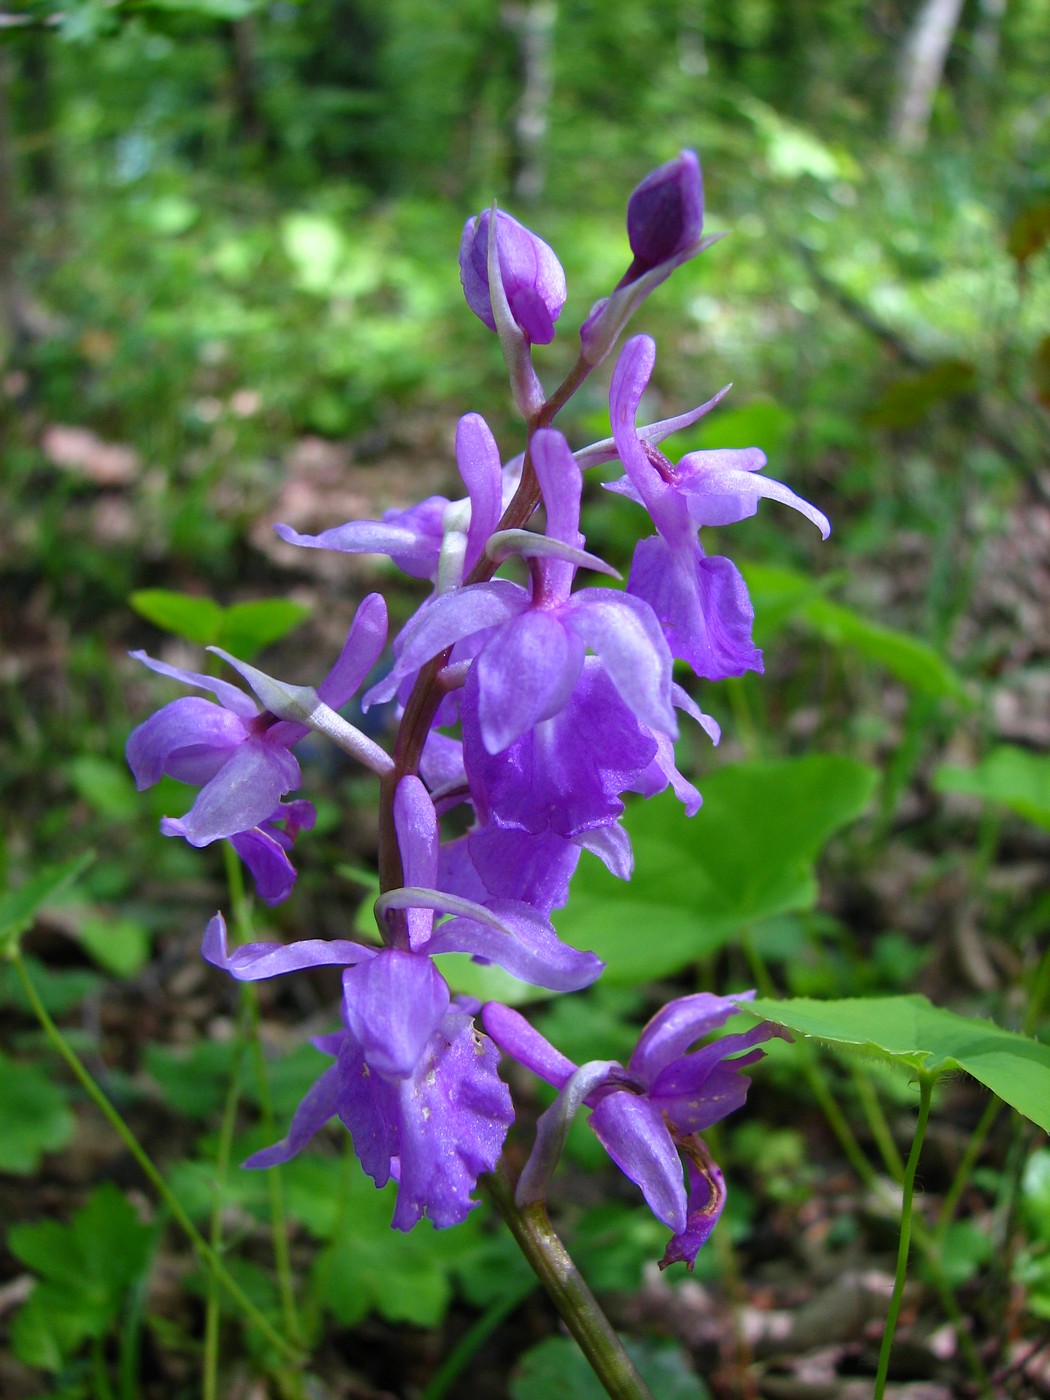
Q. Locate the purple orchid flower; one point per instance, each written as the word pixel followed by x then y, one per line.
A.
pixel 503 931
pixel 414 1082
pixel 532 651
pixel 239 755
pixel 567 774
pixel 648 1112
pixel 533 280
pixel 411 1073
pixel 437 539
pixel 702 602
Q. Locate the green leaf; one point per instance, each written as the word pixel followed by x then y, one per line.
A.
pixel 198 620
pixel 86 1269
pixel 747 855
pixel 193 1081
pixel 925 1038
pixel 918 665
pixel 556 1369
pixel 248 627
pixel 105 786
pixel 35 1114
pixel 19 908
pixel 120 946
pixel 371 1268
pixel 780 594
pixel 1012 776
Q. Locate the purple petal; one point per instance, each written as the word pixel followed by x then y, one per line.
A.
pixel 561 484
pixel 522 1042
pixel 511 864
pixel 678 1025
pixel 370 1109
pixel 253 962
pixel 228 695
pixel 635 1136
pixel 242 794
pixel 477 456
pixel 453 616
pixel 320 1103
pixel 190 739
pixel 393 1004
pixel 707 1196
pixel 411 537
pixel 265 856
pixel 665 213
pixel 529 950
pixel 533 279
pixel 526 673
pixel 703 1088
pixel 417 832
pixel 363 648
pixel 723 487
pixel 702 604
pixel 630 644
pixel 454 1116
pixel 566 775
pixel 612 846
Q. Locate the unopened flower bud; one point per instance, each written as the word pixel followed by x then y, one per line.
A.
pixel 665 213
pixel 533 279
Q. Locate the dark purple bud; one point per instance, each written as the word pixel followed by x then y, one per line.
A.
pixel 665 214
pixel 533 279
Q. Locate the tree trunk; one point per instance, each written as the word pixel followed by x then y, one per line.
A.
pixel 922 68
pixel 534 26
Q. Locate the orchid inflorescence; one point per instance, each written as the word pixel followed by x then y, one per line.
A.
pixel 537 707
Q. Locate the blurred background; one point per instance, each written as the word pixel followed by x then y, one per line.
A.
pixel 229 295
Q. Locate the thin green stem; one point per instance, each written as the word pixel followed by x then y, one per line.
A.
pixel 210 1377
pixel 145 1163
pixel 880 1128
pixel 926 1083
pixel 445 1377
pixel 554 1267
pixel 963 1172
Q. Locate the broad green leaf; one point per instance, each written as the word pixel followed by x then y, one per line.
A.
pixel 370 1268
pixel 486 982
pixel 85 1268
pixel 248 627
pixel 925 1038
pixel 120 946
pixel 196 619
pixel 19 908
pixel 1012 776
pixel 918 665
pixel 556 1369
pixel 747 855
pixel 107 787
pixel 35 1114
pixel 193 1080
pixel 780 594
